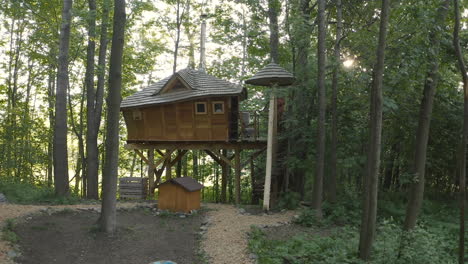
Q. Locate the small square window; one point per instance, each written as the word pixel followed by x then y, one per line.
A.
pixel 200 108
pixel 218 108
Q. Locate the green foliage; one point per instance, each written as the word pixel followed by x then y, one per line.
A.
pixel 7 232
pixel 289 200
pixel 28 193
pixel 392 245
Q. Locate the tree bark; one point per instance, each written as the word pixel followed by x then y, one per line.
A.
pixel 369 213
pixel 60 135
pixel 333 111
pixel 224 174
pixel 273 7
pixel 91 135
pixel 462 180
pixel 425 113
pixel 108 212
pixel 321 64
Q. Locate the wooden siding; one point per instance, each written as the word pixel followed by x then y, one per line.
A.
pixel 174 198
pixel 180 122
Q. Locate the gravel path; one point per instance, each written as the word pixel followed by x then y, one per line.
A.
pixel 8 211
pixel 225 241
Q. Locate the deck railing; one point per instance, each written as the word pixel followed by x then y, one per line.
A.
pixel 252 125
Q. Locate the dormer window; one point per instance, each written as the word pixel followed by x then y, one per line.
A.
pixel 200 108
pixel 175 84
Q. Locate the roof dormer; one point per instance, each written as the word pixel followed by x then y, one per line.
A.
pixel 175 84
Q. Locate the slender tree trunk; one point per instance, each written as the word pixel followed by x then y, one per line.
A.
pixel 50 100
pixel 462 181
pixel 150 172
pixel 273 6
pixel 425 113
pixel 333 111
pixel 321 52
pixel 369 213
pixel 60 136
pixel 108 213
pixel 91 135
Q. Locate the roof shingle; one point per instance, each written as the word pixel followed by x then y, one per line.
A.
pixel 201 84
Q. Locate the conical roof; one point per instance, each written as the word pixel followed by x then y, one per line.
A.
pixel 272 74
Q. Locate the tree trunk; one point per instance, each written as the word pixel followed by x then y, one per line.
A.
pixel 333 111
pixel 462 180
pixel 108 212
pixel 150 172
pixel 425 113
pixel 320 163
pixel 91 135
pixel 369 213
pixel 60 135
pixel 50 100
pixel 273 7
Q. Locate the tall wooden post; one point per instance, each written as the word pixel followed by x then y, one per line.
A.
pixel 270 145
pixel 151 172
pixel 238 175
pixel 168 167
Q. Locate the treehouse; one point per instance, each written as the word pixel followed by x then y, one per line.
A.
pixel 189 106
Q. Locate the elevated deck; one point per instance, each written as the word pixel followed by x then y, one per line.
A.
pixel 257 143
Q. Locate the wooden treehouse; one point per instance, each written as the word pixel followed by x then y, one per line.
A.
pixel 190 110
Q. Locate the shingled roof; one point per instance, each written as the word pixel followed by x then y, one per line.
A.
pixel 199 84
pixel 187 183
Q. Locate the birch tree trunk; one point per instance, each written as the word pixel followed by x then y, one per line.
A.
pixel 108 212
pixel 369 213
pixel 60 135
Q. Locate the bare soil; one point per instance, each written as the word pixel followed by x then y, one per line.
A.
pixel 71 237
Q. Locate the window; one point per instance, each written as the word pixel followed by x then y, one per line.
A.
pixel 137 115
pixel 200 108
pixel 218 107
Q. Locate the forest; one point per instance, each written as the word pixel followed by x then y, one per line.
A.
pixel 371 151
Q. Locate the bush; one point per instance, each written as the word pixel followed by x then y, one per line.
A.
pixel 392 245
pixel 28 193
pixel 289 200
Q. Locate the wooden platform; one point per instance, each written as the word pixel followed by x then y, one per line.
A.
pixel 197 145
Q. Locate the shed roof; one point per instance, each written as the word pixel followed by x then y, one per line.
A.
pixel 200 84
pixel 187 183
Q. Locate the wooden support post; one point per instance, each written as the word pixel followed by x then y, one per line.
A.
pixel 269 162
pixel 224 173
pixel 238 176
pixel 151 172
pixel 168 167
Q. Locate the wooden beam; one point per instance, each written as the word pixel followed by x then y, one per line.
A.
pixel 214 157
pixel 197 145
pixel 178 157
pixel 222 157
pixel 148 162
pixel 159 152
pixel 252 157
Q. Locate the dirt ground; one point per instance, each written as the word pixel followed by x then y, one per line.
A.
pixel 226 241
pixel 12 211
pixel 70 237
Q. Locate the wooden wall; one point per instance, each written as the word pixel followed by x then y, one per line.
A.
pixel 174 198
pixel 179 122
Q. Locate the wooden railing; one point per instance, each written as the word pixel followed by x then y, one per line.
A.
pixel 252 125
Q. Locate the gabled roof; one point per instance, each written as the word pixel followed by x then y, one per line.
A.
pixel 200 83
pixel 187 183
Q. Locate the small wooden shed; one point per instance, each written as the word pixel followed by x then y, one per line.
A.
pixel 179 195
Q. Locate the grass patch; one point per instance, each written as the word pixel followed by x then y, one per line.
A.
pixel 7 232
pixel 28 193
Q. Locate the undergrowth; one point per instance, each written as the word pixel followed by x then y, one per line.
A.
pixel 28 193
pixel 433 241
